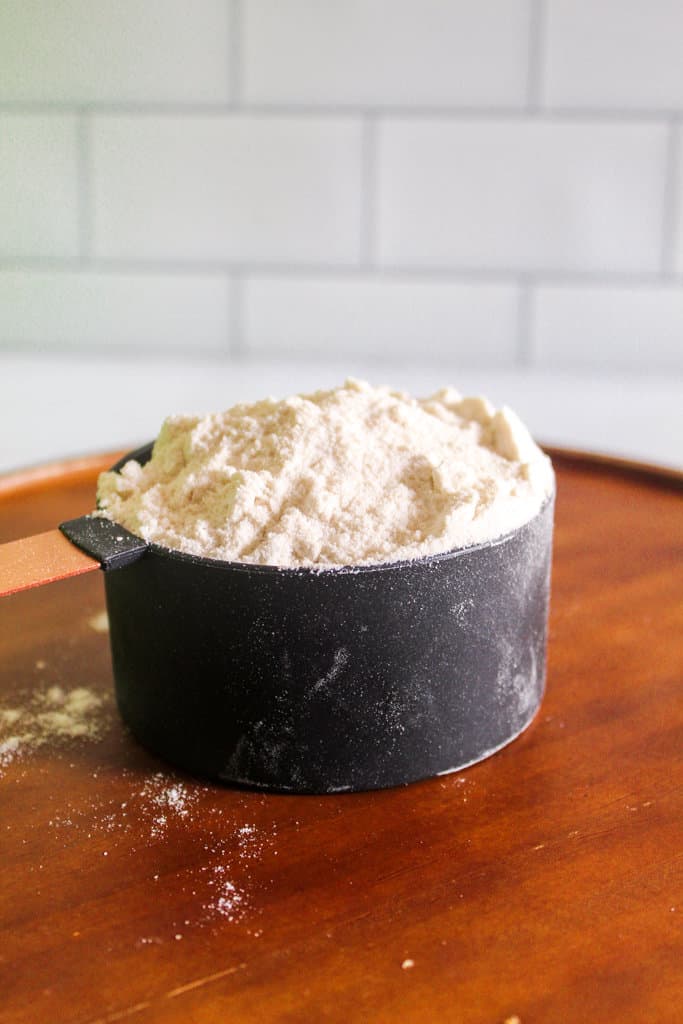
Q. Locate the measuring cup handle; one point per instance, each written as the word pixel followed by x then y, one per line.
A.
pixel 113 546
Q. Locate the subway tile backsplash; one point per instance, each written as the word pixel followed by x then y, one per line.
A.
pixel 528 194
pixel 228 188
pixel 614 54
pixel 381 317
pixel 474 182
pixel 387 52
pixel 39 186
pixel 115 51
pixel 590 326
pixel 106 311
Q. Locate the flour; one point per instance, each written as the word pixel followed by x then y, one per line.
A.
pixel 166 801
pixel 159 811
pixel 353 476
pixel 51 716
pixel 99 622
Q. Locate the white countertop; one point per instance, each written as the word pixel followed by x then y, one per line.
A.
pixel 59 407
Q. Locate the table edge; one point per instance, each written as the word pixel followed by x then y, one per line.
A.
pixel 665 476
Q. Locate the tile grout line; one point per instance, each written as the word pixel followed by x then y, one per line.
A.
pixel 353 272
pixel 368 183
pixel 534 84
pixel 235 53
pixel 84 186
pixel 447 112
pixel 670 203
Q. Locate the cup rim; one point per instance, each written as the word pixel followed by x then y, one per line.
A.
pixel 143 453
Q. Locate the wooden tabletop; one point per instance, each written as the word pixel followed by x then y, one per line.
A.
pixel 543 885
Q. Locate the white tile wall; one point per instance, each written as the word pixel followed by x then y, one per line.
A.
pixel 481 181
pixel 91 51
pixel 386 52
pixel 675 212
pixel 81 310
pixel 467 323
pixel 527 194
pixel 590 327
pixel 86 416
pixel 38 187
pixel 233 188
pixel 614 53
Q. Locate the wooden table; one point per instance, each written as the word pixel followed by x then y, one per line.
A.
pixel 545 884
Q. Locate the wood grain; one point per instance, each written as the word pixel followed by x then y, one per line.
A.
pixel 545 883
pixel 39 559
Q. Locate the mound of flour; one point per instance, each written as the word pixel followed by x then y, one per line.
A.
pixel 352 476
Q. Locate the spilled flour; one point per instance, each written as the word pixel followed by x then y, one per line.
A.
pixel 99 622
pixel 352 476
pixel 165 811
pixel 165 801
pixel 54 716
pixel 159 811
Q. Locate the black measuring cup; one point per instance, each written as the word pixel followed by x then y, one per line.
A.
pixel 325 680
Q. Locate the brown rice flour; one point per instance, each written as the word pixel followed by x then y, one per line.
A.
pixel 352 476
